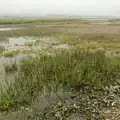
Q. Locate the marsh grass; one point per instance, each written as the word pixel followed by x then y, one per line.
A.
pixel 10 67
pixel 66 69
pixel 69 70
pixel 1 49
pixel 33 21
pixel 13 53
pixel 19 21
pixel 9 53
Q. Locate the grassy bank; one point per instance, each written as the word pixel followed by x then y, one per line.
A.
pixel 69 70
pixel 13 21
pixel 23 21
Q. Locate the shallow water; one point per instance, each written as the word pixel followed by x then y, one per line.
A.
pixel 36 44
pixel 12 44
pixel 17 43
pixel 9 28
pixel 7 62
pixel 21 40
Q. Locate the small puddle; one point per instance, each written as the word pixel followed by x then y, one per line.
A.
pixel 17 43
pixel 21 41
pixel 9 28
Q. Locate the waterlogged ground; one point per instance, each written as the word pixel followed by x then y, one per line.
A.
pixel 15 49
pixel 17 42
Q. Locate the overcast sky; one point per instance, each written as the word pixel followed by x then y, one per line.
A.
pixel 68 7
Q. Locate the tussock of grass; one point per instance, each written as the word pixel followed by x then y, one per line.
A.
pixel 13 53
pixel 72 69
pixel 10 67
pixel 9 53
pixel 1 49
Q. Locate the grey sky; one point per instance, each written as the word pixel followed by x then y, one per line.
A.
pixel 73 7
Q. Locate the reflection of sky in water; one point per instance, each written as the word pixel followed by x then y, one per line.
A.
pixel 21 40
pixel 15 43
pixel 8 29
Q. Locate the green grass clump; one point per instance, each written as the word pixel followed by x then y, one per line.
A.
pixel 11 67
pixel 9 53
pixel 72 69
pixel 17 21
pixel 1 49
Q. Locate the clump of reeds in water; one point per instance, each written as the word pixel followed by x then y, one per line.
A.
pixel 69 70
